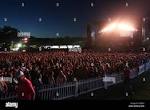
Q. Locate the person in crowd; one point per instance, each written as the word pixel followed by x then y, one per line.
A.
pixel 25 89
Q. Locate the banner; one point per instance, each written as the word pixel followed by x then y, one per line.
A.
pixel 109 79
pixel 141 69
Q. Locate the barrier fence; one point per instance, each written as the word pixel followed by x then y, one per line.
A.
pixel 76 88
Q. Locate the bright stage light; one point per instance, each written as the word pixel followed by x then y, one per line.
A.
pixel 125 27
pixel 110 27
pixel 118 27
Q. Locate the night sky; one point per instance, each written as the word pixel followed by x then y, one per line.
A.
pixel 53 18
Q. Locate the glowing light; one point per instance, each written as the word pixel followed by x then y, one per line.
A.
pixel 118 26
pixel 19 45
pixel 110 27
pixel 55 47
pixel 63 47
pixel 125 27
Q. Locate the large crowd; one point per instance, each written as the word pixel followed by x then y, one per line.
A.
pixel 50 68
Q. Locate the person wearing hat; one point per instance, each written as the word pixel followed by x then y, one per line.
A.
pixel 25 89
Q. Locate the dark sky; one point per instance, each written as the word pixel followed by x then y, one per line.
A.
pixel 69 18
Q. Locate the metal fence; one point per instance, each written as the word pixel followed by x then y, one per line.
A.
pixel 76 88
pixel 57 93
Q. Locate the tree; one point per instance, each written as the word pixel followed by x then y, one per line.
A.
pixel 8 34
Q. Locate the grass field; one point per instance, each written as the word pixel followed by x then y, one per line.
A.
pixel 141 90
